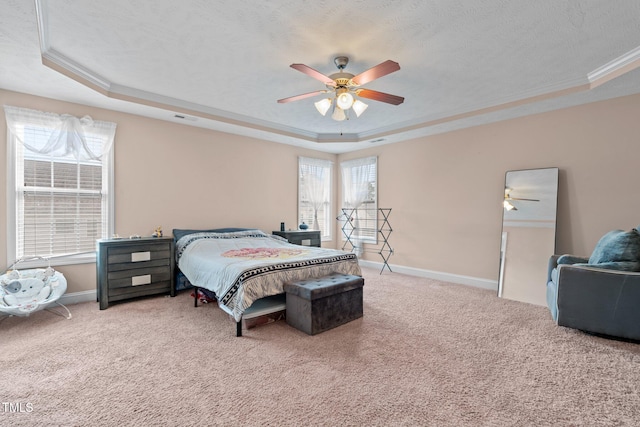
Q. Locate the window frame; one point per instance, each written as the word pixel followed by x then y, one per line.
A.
pixel 12 207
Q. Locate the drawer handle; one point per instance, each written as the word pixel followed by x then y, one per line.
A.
pixel 140 256
pixel 141 280
pixel 305 242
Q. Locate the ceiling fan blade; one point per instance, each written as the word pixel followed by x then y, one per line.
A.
pixel 380 96
pixel 526 200
pixel 380 70
pixel 314 73
pixel 302 96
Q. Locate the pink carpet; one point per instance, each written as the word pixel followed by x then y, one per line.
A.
pixel 425 353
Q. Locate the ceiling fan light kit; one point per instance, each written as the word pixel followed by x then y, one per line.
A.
pixel 344 86
pixel 358 107
pixel 338 114
pixel 508 199
pixel 508 206
pixel 344 99
pixel 323 105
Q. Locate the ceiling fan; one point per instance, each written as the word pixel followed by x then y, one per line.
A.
pixel 343 86
pixel 507 200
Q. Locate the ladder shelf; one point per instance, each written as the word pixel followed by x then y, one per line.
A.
pixel 353 232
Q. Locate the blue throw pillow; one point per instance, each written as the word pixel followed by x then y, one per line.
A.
pixel 617 246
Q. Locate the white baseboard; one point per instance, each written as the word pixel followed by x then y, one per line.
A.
pixel 77 297
pixel 437 275
pixel 87 296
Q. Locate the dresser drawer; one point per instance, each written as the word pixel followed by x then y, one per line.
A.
pixel 138 276
pixel 303 238
pixel 139 291
pixel 129 268
pixel 138 256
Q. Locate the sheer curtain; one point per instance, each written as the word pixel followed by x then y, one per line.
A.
pixel 60 180
pixel 315 189
pixel 359 185
pixel 68 134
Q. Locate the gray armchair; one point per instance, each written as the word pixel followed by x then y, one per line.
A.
pixel 600 294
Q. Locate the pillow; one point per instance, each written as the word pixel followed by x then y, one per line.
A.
pixel 178 233
pixel 617 246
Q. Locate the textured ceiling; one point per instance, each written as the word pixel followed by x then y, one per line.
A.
pixel 225 63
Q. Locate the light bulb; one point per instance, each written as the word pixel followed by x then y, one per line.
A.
pixel 323 105
pixel 344 100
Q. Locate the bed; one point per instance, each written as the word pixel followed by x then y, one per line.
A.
pixel 241 266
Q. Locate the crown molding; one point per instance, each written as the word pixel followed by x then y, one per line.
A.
pixel 43 25
pixel 76 71
pixel 621 65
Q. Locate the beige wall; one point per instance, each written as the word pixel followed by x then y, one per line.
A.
pixel 445 190
pixel 179 177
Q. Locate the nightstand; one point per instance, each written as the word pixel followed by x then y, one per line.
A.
pixel 301 237
pixel 130 268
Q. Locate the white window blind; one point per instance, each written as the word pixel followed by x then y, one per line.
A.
pixel 61 200
pixel 314 194
pixel 360 199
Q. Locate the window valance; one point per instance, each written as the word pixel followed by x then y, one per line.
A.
pixel 68 136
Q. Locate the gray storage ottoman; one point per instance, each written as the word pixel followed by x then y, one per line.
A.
pixel 316 305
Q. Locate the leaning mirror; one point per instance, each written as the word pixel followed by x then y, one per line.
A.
pixel 528 233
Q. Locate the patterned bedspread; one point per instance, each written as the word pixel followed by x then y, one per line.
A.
pixel 243 266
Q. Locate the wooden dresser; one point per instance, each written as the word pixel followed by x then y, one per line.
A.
pixel 129 268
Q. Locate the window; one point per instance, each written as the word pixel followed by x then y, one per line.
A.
pixel 360 198
pixel 314 194
pixel 60 177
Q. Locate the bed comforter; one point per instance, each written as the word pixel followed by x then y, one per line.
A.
pixel 241 267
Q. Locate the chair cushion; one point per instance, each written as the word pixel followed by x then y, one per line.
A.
pixel 617 246
pixel 620 265
pixel 571 259
pixel 552 299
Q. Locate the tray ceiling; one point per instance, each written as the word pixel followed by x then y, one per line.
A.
pixel 222 65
